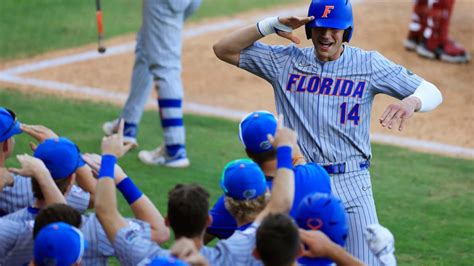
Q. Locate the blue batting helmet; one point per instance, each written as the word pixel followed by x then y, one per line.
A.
pixel 335 14
pixel 324 212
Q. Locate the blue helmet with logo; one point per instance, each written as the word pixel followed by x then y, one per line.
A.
pixel 335 14
pixel 323 212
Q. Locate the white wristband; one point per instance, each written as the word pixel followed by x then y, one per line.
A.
pixel 271 25
pixel 429 96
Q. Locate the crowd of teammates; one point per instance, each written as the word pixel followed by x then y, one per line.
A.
pixel 276 208
pixel 43 206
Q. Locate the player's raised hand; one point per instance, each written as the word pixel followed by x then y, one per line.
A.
pixel 94 161
pixel 317 242
pixel 184 249
pixel 39 132
pixel 30 167
pixel 401 111
pixel 6 178
pixel 283 135
pixel 114 145
pixel 293 22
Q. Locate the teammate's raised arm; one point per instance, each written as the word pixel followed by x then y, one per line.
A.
pixel 142 208
pixel 106 199
pixel 283 190
pixel 319 245
pixel 228 48
pixel 31 166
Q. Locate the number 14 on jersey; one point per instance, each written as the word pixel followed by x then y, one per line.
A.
pixel 353 114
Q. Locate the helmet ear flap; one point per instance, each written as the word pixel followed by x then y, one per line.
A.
pixel 308 32
pixel 347 34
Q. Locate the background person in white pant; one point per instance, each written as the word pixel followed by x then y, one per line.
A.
pixel 158 63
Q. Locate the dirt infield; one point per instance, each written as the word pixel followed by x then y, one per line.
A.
pixel 379 25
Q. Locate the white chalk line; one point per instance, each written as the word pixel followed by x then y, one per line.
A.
pixel 11 75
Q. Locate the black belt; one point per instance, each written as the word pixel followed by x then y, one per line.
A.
pixel 341 168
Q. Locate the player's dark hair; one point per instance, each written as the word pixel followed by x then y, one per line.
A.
pixel 188 207
pixel 260 158
pixel 278 240
pixel 56 213
pixel 61 183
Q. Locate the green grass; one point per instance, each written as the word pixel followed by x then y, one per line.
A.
pixel 32 27
pixel 425 200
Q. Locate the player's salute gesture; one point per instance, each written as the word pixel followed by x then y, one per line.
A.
pixel 283 26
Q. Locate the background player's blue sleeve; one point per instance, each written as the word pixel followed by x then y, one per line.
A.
pixel 392 79
pixel 131 248
pixel 264 60
pixel 310 178
pixel 223 224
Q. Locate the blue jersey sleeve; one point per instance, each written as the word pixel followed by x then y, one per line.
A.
pixel 264 60
pixel 310 178
pixel 392 79
pixel 223 224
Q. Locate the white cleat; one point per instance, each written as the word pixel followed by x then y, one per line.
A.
pixel 410 45
pixel 158 156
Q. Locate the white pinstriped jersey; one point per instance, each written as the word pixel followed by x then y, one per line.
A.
pixel 131 249
pixel 99 248
pixel 22 215
pixel 20 196
pixel 16 245
pixel 328 103
pixel 238 247
pixel 16 242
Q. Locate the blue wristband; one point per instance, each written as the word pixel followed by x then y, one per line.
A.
pixel 107 166
pixel 284 159
pixel 129 190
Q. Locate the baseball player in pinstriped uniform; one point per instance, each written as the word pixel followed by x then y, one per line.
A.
pixel 158 60
pixel 188 208
pixel 61 157
pixel 17 193
pixel 279 243
pixel 59 244
pixel 15 233
pixel 326 93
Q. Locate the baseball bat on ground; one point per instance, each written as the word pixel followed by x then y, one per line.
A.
pixel 100 27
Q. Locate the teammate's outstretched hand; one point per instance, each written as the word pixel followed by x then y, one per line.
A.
pixel 294 23
pixel 184 249
pixel 401 111
pixel 317 242
pixel 283 135
pixel 30 167
pixel 94 161
pixel 38 132
pixel 114 145
pixel 6 178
